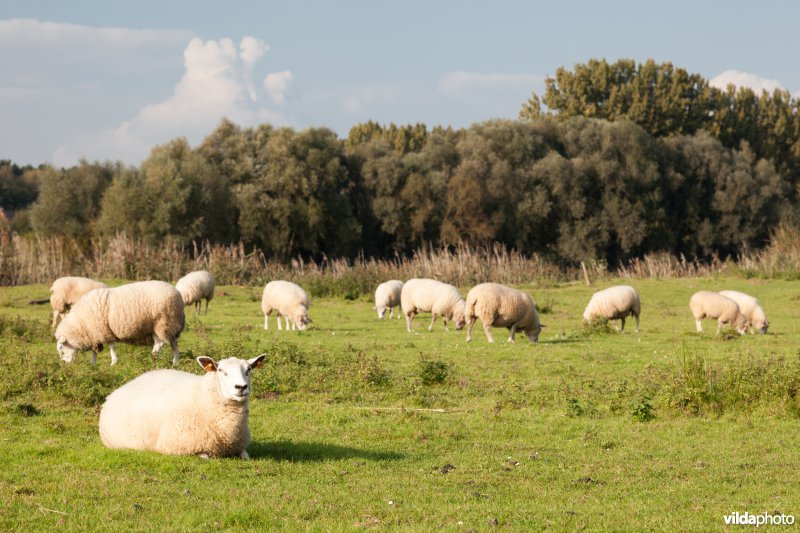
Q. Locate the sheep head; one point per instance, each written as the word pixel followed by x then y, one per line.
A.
pixel 233 375
pixel 65 350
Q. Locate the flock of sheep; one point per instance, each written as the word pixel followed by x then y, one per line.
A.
pixel 175 412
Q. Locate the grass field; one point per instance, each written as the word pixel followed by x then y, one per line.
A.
pixel 358 424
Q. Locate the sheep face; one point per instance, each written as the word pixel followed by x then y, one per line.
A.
pixel 460 319
pixel 301 320
pixel 762 326
pixel 66 350
pixel 233 375
pixel 533 334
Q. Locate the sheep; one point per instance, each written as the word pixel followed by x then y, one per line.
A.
pixel 196 286
pixel 750 308
pixel 436 297
pixel 387 296
pixel 289 300
pixel 64 292
pixel 180 413
pixel 137 313
pixel 614 303
pixel 714 305
pixel 501 306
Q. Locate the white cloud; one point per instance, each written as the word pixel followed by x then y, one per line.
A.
pixel 276 84
pixel 745 79
pixel 216 83
pixel 61 81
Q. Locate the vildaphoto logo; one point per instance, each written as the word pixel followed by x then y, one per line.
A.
pixel 747 519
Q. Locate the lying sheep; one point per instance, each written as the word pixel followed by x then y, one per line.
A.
pixel 137 313
pixel 708 304
pixel 435 297
pixel 289 300
pixel 64 292
pixel 501 306
pixel 178 413
pixel 387 296
pixel 196 286
pixel 614 303
pixel 750 308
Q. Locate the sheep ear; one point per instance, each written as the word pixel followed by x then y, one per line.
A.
pixel 256 362
pixel 207 363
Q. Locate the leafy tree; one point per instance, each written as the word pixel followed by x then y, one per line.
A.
pixel 69 200
pixel 19 187
pixel 300 201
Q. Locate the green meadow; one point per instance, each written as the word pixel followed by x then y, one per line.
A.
pixel 358 424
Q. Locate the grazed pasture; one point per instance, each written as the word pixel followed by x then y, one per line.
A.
pixel 357 423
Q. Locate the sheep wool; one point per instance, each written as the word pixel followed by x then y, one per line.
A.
pixel 614 303
pixel 434 297
pixel 195 287
pixel 64 292
pixel 708 304
pixel 179 413
pixel 750 307
pixel 289 300
pixel 387 296
pixel 501 306
pixel 136 313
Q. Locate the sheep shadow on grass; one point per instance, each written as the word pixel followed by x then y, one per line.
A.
pixel 311 452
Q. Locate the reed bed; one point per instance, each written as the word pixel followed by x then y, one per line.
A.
pixel 41 260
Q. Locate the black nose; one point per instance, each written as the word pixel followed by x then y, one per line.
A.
pixel 241 387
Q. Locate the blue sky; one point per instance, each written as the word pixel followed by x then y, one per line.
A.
pixel 110 80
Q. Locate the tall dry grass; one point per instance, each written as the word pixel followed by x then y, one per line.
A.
pixel 41 260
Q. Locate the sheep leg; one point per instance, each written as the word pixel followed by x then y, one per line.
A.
pixel 266 321
pixel 433 319
pixel 198 309
pixel 381 312
pixel 391 312
pixel 55 318
pixel 470 324
pixel 280 326
pixel 511 332
pixel 637 323
pixel 157 344
pixel 409 318
pixel 94 357
pixel 445 323
pixel 244 455
pixel 176 355
pixel 622 324
pixel 487 329
pixel 699 325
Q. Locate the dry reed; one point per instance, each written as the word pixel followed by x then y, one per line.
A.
pixel 41 260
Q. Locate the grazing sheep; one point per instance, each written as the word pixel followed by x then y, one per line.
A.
pixel 137 313
pixel 435 297
pixel 708 304
pixel 750 308
pixel 64 292
pixel 196 286
pixel 179 413
pixel 501 306
pixel 614 303
pixel 387 296
pixel 289 300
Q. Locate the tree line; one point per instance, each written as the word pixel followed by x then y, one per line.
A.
pixel 625 159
